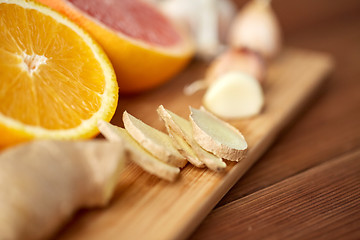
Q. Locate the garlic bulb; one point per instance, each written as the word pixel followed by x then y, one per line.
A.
pixel 208 21
pixel 256 27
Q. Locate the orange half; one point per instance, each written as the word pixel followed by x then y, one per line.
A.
pixel 55 81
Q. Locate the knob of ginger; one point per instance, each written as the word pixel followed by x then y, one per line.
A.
pixel 44 182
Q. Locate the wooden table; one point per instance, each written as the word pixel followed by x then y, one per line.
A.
pixel 307 186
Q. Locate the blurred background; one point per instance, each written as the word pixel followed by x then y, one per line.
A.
pixel 330 124
pixel 331 26
pixel 302 15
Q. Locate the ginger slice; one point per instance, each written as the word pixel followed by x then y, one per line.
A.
pixel 234 95
pixel 137 153
pixel 153 140
pixel 217 136
pixel 184 148
pixel 44 182
pixel 183 129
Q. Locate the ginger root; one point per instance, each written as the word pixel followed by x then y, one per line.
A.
pixel 44 182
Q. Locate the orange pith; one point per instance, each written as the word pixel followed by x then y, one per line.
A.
pixel 53 79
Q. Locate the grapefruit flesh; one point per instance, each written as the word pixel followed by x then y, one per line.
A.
pixel 145 48
pixel 115 14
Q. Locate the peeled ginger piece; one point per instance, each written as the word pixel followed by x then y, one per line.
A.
pixel 44 182
pixel 156 142
pixel 183 129
pixel 176 135
pixel 234 95
pixel 137 153
pixel 217 136
pixel 185 149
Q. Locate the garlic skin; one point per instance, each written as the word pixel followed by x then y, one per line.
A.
pixel 257 28
pixel 242 60
pixel 180 11
pixel 232 60
pixel 208 21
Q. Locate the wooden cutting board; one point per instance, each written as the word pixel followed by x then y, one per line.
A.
pixel 145 207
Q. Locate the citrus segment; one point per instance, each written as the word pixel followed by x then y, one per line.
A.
pixel 145 49
pixel 55 81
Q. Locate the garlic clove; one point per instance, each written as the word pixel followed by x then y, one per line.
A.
pixel 242 60
pixel 234 95
pixel 257 28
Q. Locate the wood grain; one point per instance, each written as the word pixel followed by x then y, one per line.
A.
pixel 329 126
pixel 327 130
pixel 147 206
pixel 305 206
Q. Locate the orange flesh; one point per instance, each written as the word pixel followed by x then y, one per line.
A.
pixel 48 76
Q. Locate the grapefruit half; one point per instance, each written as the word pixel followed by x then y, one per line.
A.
pixel 145 48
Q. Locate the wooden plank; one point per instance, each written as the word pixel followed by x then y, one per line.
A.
pixel 321 203
pixel 146 206
pixel 330 125
pixel 324 133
